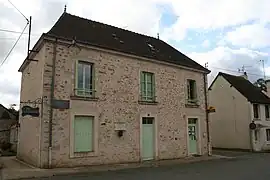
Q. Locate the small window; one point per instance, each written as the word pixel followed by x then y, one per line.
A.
pixel 267 134
pixel 192 91
pixel 267 115
pixel 256 135
pixel 83 133
pixel 256 111
pixel 84 79
pixel 147 120
pixel 147 86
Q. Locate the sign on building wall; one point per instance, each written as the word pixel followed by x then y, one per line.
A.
pixel 27 110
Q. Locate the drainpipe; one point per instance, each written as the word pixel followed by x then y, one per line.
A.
pixel 207 116
pixel 51 108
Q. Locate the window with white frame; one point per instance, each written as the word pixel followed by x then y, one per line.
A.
pixel 256 111
pixel 267 134
pixel 267 115
pixel 84 79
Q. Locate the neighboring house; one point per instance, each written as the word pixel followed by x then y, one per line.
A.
pixel 7 119
pixel 118 96
pixel 238 104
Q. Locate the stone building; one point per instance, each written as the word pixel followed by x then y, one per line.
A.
pixel 108 95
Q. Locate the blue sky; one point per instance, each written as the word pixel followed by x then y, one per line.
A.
pixel 225 33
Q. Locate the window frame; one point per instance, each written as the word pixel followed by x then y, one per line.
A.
pixel 144 83
pixel 267 131
pixel 258 111
pixel 189 93
pixel 267 112
pixel 91 90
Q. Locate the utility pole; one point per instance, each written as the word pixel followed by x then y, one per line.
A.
pixel 29 38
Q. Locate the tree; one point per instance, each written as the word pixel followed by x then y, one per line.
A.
pixel 260 83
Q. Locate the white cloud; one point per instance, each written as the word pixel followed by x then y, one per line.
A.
pixel 206 43
pixel 213 14
pixel 229 60
pixel 252 36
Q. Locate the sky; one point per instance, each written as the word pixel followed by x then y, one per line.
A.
pixel 225 34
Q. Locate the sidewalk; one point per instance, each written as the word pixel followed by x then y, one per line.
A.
pixel 15 169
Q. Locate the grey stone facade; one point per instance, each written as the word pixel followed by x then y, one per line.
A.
pixel 117 100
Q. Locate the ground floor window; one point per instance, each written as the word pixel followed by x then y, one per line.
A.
pixel 256 135
pixel 83 133
pixel 267 134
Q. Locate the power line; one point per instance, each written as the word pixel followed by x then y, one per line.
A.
pixel 18 10
pixel 259 75
pixel 17 32
pixel 13 46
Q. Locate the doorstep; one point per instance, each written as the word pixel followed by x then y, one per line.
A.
pixel 15 169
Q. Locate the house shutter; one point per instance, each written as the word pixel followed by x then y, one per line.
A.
pixel 154 87
pixel 142 83
pixel 83 134
pixel 93 80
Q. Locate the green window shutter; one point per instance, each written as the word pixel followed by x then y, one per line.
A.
pixel 154 87
pixel 188 89
pixel 195 90
pixel 93 81
pixel 76 78
pixel 142 86
pixel 83 134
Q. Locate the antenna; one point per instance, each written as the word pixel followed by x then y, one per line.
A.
pixel 65 8
pixel 206 65
pixel 158 35
pixel 263 68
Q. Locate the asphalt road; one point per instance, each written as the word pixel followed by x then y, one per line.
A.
pixel 245 166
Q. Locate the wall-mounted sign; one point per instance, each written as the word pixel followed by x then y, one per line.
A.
pixel 60 104
pixel 27 110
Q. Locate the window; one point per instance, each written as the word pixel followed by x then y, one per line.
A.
pixel 84 79
pixel 192 92
pixel 267 112
pixel 267 134
pixel 256 134
pixel 256 111
pixel 147 86
pixel 83 133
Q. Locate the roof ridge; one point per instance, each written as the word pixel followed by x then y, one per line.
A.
pixel 83 18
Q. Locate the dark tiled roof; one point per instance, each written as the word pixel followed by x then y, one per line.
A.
pixel 105 36
pixel 247 89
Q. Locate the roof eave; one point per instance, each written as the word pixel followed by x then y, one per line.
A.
pixel 32 54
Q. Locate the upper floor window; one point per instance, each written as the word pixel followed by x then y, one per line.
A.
pixel 256 111
pixel 267 114
pixel 147 86
pixel 84 79
pixel 191 91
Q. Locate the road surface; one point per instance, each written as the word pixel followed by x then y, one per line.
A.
pixel 245 166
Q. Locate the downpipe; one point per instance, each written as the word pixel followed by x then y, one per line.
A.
pixel 51 108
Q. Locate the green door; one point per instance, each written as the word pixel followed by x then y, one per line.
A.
pixel 83 134
pixel 147 138
pixel 192 133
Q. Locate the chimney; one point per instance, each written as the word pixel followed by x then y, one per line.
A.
pixel 245 75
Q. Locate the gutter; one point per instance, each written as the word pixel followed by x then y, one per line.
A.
pixel 51 108
pixel 207 117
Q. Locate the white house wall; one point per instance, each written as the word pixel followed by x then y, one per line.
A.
pixel 229 124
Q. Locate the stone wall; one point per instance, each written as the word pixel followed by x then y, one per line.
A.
pixel 5 125
pixel 13 138
pixel 117 85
